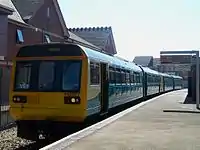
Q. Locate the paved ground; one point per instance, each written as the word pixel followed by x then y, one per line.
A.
pixel 150 128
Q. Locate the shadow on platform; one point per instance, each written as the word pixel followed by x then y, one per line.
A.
pixel 189 100
pixel 182 111
pixel 190 108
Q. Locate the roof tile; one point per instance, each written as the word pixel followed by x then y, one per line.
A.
pixel 80 40
pixel 6 5
pixel 143 60
pixel 28 8
pixel 24 10
pixel 15 16
pixel 96 35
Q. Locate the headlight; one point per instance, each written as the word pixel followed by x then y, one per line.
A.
pixel 72 100
pixel 19 99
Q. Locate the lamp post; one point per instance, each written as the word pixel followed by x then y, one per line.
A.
pixel 197 79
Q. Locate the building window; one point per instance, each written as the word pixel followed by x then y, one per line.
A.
pixel 47 38
pixel 19 37
pixel 48 12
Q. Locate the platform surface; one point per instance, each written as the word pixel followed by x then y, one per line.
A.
pixel 150 127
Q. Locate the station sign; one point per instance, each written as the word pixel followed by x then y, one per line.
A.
pixel 175 59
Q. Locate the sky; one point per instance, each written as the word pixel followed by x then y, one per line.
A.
pixel 140 27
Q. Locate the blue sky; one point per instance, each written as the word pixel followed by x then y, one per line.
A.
pixel 140 27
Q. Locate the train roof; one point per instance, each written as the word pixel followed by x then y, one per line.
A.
pixel 113 60
pixel 150 71
pixel 177 77
pixel 43 50
pixel 165 74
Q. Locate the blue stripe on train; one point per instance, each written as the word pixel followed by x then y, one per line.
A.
pixel 118 94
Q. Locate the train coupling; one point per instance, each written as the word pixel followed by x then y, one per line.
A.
pixel 41 135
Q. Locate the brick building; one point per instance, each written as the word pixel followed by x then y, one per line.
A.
pixel 176 65
pixel 17 31
pixel 34 21
pixel 8 17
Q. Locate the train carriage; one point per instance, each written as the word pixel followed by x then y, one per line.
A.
pixel 177 82
pixel 168 82
pixel 153 81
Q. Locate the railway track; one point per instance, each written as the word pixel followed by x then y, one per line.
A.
pixel 10 141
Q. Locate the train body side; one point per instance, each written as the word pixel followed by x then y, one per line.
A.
pixel 125 82
pixel 152 81
pixel 177 82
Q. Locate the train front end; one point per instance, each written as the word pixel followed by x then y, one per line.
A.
pixel 48 87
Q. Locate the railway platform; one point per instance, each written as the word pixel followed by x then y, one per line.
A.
pixel 161 123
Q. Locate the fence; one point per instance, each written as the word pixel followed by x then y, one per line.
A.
pixel 5 72
pixel 5 118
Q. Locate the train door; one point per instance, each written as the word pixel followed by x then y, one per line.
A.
pixel 104 88
pixel 173 83
pixel 161 84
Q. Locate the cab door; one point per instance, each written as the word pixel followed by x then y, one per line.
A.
pixel 104 88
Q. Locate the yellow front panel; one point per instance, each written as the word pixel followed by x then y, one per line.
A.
pixel 46 106
pixel 50 105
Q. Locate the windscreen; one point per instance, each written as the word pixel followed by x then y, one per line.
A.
pixel 23 75
pixel 63 75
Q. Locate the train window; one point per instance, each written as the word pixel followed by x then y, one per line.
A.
pixel 141 78
pixel 153 78
pixel 139 81
pixel 132 78
pixel 118 76
pixel 112 74
pixel 128 77
pixel 46 75
pixel 71 76
pixel 137 78
pixel 23 75
pixel 94 73
pixel 123 77
pixel 159 79
pixel 149 78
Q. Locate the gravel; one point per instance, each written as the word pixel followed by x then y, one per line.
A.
pixel 10 141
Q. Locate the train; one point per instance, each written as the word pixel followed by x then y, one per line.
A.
pixel 62 84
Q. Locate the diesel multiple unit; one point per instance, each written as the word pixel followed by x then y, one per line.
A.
pixel 57 84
